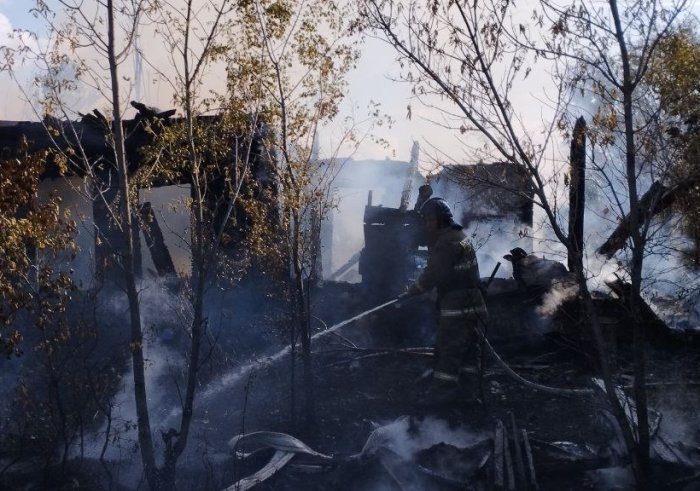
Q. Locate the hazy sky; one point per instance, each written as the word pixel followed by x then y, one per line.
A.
pixel 369 82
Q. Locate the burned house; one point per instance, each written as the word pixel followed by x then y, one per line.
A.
pixel 369 192
pixel 488 199
pixel 390 255
pixel 89 195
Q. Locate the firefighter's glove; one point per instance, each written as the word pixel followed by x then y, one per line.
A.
pixel 413 289
pixel 401 299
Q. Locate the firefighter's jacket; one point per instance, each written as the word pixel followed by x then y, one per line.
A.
pixel 452 269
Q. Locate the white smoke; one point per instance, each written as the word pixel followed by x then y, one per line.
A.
pixel 13 104
pixel 407 436
pixel 560 292
pixel 162 314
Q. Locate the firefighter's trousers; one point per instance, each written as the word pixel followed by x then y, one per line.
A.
pixel 457 353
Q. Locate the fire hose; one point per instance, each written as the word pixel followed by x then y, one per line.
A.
pixel 484 343
pixel 360 315
pixel 513 374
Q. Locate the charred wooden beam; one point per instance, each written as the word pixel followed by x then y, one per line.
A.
pixel 532 477
pixel 155 241
pixel 498 458
pixel 656 200
pixel 89 139
pixel 510 473
pixel 148 112
pixel 346 267
pixel 577 191
pixel 519 464
pixel 504 474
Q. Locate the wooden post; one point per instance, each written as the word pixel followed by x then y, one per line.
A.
pixel 498 459
pixel 519 464
pixel 509 462
pixel 532 478
pixel 577 190
pixel 412 173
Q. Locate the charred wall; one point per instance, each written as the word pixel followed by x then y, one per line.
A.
pixel 88 141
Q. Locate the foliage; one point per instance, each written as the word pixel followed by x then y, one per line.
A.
pixel 62 393
pixel 61 386
pixel 294 59
pixel 293 56
pixel 222 146
pixel 675 76
pixel 610 51
pixel 88 43
pixel 32 236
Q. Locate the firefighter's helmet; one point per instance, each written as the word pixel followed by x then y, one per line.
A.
pixel 437 207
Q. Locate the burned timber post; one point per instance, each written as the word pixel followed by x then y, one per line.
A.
pixel 577 192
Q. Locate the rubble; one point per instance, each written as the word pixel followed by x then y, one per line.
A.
pixel 412 452
pixel 286 448
pixel 540 439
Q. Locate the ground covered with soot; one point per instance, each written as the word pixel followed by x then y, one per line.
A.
pixel 376 432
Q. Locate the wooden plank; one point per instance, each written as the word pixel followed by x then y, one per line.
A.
pixel 509 462
pixel 498 479
pixel 519 464
pixel 532 477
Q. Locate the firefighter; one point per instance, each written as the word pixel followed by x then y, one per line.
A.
pixel 424 193
pixel 453 270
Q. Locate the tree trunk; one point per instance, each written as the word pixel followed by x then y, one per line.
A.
pixel 575 261
pixel 136 343
pixel 603 351
pixel 309 395
pixel 639 355
pixel 303 318
pixel 292 369
pixel 639 452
